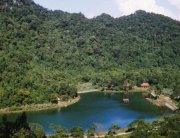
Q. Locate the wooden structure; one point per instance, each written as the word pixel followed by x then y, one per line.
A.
pixel 125 101
pixel 171 106
pixel 145 85
pixel 153 96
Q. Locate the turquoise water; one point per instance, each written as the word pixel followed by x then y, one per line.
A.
pixel 101 110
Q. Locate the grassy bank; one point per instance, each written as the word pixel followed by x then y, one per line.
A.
pixel 38 107
pixel 138 89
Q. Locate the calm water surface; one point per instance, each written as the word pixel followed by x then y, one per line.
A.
pixel 101 110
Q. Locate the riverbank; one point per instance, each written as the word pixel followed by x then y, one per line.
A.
pixel 89 91
pixel 39 107
pixel 163 101
pixel 104 134
pixel 118 135
pixel 138 89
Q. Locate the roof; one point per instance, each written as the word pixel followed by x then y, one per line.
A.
pixel 145 84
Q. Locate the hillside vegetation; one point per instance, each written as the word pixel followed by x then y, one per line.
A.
pixel 40 50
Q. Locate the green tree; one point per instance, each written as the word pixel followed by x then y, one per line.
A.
pixel 38 130
pixel 20 128
pixel 59 131
pixel 53 98
pixel 77 132
pixel 23 133
pixel 91 132
pixel 141 130
pixel 113 130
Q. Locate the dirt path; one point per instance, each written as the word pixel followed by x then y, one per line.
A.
pixel 88 91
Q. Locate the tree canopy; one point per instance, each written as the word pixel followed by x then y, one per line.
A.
pixel 41 49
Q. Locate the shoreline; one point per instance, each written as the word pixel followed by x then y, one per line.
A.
pixel 111 91
pixel 165 102
pixel 39 107
pixel 102 134
pixel 50 106
pixel 89 91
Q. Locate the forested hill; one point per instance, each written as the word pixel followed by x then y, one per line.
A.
pixel 39 49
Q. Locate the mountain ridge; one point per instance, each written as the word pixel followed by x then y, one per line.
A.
pixel 31 2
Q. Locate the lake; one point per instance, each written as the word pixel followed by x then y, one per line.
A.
pixel 101 110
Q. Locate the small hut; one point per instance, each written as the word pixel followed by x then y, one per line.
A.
pixel 125 101
pixel 145 85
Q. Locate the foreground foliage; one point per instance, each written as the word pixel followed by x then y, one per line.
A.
pixel 169 127
pixel 20 128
